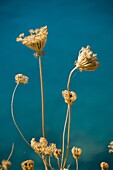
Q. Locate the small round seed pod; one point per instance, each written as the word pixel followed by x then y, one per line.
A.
pixel 111 147
pixel 21 79
pixel 6 164
pixel 104 166
pixel 27 165
pixel 76 152
pixel 57 153
pixel 69 96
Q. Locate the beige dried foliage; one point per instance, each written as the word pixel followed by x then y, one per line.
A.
pixel 36 40
pixel 76 152
pixel 21 79
pixel 27 165
pixel 87 60
pixel 5 165
pixel 104 166
pixel 69 96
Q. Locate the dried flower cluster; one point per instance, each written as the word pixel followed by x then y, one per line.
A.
pixel 27 165
pixel 87 60
pixel 21 79
pixel 36 40
pixel 42 147
pixel 111 147
pixel 76 152
pixel 5 165
pixel 69 96
pixel 104 166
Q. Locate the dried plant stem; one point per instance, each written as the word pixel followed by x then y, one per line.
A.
pixel 63 136
pixel 42 95
pixel 76 164
pixel 69 78
pixel 58 161
pixel 11 152
pixel 68 135
pixel 12 112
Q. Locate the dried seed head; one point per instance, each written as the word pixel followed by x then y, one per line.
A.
pixel 27 165
pixel 36 40
pixel 111 147
pixel 76 152
pixel 50 149
pixel 87 60
pixel 21 79
pixel 43 142
pixel 57 153
pixel 104 166
pixel 5 164
pixel 36 146
pixel 69 96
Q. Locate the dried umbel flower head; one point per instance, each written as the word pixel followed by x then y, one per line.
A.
pixel 5 164
pixel 41 146
pixel 76 152
pixel 21 79
pixel 111 147
pixel 104 166
pixel 69 96
pixel 57 153
pixel 27 165
pixel 87 60
pixel 36 40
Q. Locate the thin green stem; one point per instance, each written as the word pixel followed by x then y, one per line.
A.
pixel 12 149
pixel 63 136
pixel 68 135
pixel 76 164
pixel 42 95
pixel 69 78
pixel 12 112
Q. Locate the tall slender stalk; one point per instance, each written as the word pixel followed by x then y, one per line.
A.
pixel 12 149
pixel 76 164
pixel 12 112
pixel 69 78
pixel 42 95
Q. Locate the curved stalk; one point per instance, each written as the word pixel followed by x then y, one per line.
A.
pixel 11 152
pixel 12 112
pixel 42 95
pixel 69 78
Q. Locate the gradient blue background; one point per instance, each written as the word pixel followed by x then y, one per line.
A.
pixel 71 25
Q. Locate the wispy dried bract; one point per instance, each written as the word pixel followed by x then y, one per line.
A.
pixel 27 165
pixel 69 96
pixel 104 166
pixel 87 60
pixel 76 152
pixel 21 79
pixel 5 165
pixel 36 40
pixel 111 147
pixel 41 147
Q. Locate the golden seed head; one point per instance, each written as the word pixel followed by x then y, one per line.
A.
pixel 111 147
pixel 57 153
pixel 87 60
pixel 6 164
pixel 21 79
pixel 76 152
pixel 27 165
pixel 43 142
pixel 69 96
pixel 104 166
pixel 36 40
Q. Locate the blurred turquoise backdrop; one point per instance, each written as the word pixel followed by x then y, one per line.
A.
pixel 71 25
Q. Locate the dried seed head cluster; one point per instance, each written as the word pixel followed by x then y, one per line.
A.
pixel 111 147
pixel 87 60
pixel 69 96
pixel 57 153
pixel 21 79
pixel 36 40
pixel 27 165
pixel 42 147
pixel 104 166
pixel 76 152
pixel 5 165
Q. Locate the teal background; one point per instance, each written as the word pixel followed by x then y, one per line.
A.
pixel 71 25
